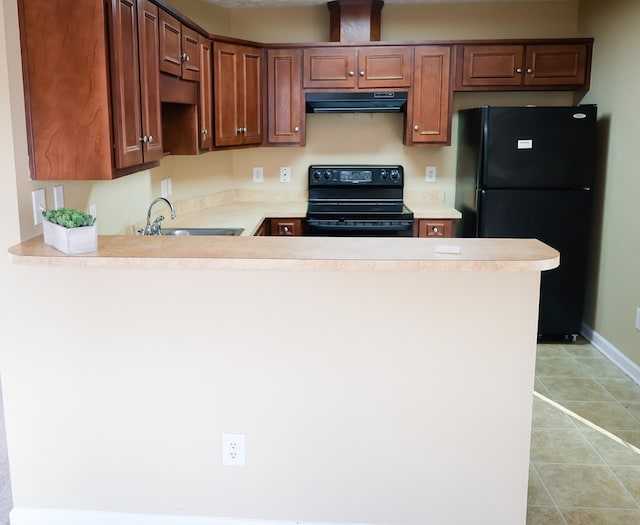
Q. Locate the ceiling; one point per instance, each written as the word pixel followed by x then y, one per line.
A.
pixel 299 3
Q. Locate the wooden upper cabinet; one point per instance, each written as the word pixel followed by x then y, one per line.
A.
pixel 352 67
pixel 429 114
pixel 285 101
pixel 206 95
pixel 136 92
pixel 179 48
pixel 66 83
pixel 505 66
pixel 91 87
pixel 238 94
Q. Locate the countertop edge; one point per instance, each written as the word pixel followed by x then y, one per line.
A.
pixel 298 253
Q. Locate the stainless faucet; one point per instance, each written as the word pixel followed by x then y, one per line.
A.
pixel 154 229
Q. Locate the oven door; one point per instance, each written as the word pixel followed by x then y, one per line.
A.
pixel 359 228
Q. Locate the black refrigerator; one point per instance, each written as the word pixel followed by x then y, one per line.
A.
pixel 527 172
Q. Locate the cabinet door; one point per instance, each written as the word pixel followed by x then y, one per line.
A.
pixel 227 105
pixel 250 95
pixel 190 43
pixel 556 65
pixel 66 83
pixel 150 106
pixel 491 65
pixel 126 84
pixel 285 106
pixel 329 68
pixel 206 96
pixel 170 45
pixel 429 117
pixel 384 67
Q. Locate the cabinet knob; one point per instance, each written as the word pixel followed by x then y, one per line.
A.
pixel 361 73
pixel 351 73
pixel 296 129
pixel 184 57
pixel 529 70
pixel 205 132
pixel 150 139
pixel 518 70
pixel 435 229
pixel 144 139
pixel 241 130
pixel 416 127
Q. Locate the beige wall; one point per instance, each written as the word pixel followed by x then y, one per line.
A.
pixel 614 292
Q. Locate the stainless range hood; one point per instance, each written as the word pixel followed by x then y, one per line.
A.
pixel 357 102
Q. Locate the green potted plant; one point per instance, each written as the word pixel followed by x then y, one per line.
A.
pixel 70 231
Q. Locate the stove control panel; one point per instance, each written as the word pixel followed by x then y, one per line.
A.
pixel 356 175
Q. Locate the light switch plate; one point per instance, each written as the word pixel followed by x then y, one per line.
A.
pixel 164 188
pixel 39 204
pixel 430 174
pixel 258 174
pixel 58 197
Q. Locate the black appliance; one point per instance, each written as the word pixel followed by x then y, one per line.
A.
pixel 357 201
pixel 527 172
pixel 356 102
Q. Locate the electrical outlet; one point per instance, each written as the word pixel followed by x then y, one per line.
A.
pixel 637 318
pixel 39 204
pixel 430 174
pixel 285 174
pixel 169 186
pixel 58 197
pixel 233 453
pixel 258 174
pixel 92 210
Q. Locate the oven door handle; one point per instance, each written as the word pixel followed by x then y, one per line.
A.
pixel 364 225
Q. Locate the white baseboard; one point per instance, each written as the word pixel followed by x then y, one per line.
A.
pixel 31 516
pixel 612 353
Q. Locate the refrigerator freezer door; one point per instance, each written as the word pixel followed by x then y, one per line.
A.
pixel 560 218
pixel 538 147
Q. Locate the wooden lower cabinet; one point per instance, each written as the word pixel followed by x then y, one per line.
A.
pixel 287 227
pixel 280 227
pixel 434 228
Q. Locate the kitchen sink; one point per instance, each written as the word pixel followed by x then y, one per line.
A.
pixel 181 232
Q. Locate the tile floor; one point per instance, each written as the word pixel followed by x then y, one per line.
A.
pixel 585 440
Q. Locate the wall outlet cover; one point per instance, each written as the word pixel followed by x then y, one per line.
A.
pixel 258 174
pixel 39 201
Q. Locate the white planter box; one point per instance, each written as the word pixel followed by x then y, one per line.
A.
pixel 71 241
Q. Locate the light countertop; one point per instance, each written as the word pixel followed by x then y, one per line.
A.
pixel 298 253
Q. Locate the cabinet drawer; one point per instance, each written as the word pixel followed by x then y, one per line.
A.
pixel 286 227
pixel 435 228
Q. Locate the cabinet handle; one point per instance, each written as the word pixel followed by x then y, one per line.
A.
pixel 150 139
pixel 184 57
pixel 296 129
pixel 529 70
pixel 351 73
pixel 416 127
pixel 518 70
pixel 285 229
pixel 204 132
pixel 241 130
pixel 361 73
pixel 144 139
pixel 435 229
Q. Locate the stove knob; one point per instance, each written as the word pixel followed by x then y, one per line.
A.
pixel 316 175
pixel 395 174
pixel 384 174
pixel 327 174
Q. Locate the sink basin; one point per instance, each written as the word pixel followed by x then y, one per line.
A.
pixel 181 232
